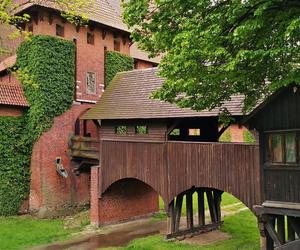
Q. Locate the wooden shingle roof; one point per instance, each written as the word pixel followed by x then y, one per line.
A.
pixel 100 11
pixel 127 97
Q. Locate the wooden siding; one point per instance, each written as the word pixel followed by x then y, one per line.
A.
pixel 173 167
pixel 282 184
pixel 156 130
pixel 279 113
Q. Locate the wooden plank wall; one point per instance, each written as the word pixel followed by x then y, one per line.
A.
pixel 173 167
pixel 229 167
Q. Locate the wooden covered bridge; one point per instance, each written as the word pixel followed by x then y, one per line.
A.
pixel 176 152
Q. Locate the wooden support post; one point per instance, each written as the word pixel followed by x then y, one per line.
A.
pixel 281 228
pixel 171 218
pixel 201 207
pixel 211 205
pixel 217 201
pixel 291 231
pixel 189 209
pixel 178 209
pixel 270 227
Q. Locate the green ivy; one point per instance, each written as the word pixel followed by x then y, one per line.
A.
pixel 226 136
pixel 46 69
pixel 248 137
pixel 114 63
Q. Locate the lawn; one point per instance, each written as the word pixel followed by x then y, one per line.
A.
pixel 242 227
pixel 22 232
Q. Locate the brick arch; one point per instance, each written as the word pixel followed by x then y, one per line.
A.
pixel 126 199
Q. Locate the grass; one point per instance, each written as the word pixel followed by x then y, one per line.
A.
pixel 242 227
pixel 23 232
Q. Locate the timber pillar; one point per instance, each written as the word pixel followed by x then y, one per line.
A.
pixel 95 195
pixel 195 223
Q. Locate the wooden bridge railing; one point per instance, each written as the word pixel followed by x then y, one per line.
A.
pixel 84 148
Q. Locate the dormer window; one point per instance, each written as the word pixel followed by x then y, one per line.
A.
pixel 60 30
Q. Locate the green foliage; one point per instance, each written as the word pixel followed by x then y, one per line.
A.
pixel 46 70
pixel 14 161
pixel 248 137
pixel 226 136
pixel 114 63
pixel 214 49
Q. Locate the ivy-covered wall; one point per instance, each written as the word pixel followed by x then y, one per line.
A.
pixel 46 68
pixel 114 63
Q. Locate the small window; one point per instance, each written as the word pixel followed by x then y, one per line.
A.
pixel 290 148
pixel 117 43
pixel 60 30
pixel 275 148
pixel 90 38
pixel 175 132
pixel 141 130
pixel 282 148
pixel 121 130
pixel 194 131
pixel 91 83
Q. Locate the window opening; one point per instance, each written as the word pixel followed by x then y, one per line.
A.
pixel 121 130
pixel 91 83
pixel 141 130
pixel 60 30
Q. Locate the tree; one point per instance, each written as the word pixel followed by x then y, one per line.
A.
pixel 218 48
pixel 72 10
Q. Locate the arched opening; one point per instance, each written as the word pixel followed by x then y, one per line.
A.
pixel 127 199
pixel 201 209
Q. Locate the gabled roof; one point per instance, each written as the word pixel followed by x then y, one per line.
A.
pixel 127 97
pixel 12 94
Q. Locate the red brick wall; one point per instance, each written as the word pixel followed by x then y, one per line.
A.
pixel 51 194
pixel 124 200
pixel 237 133
pixel 140 64
pixel 7 110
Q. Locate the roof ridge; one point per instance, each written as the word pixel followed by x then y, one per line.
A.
pixel 138 70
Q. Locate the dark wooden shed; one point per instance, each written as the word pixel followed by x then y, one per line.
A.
pixel 277 120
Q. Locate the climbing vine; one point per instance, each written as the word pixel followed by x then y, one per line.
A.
pixel 46 68
pixel 114 63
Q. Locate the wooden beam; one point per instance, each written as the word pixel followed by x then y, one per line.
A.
pixel 178 209
pixel 272 233
pixel 217 201
pixel 293 245
pixel 281 228
pixel 189 209
pixel 171 221
pixel 211 205
pixel 260 210
pixel 201 207
pixel 196 230
pixel 291 231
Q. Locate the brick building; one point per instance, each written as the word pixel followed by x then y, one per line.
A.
pixel 50 193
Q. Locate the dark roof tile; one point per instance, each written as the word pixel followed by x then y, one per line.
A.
pixel 127 97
